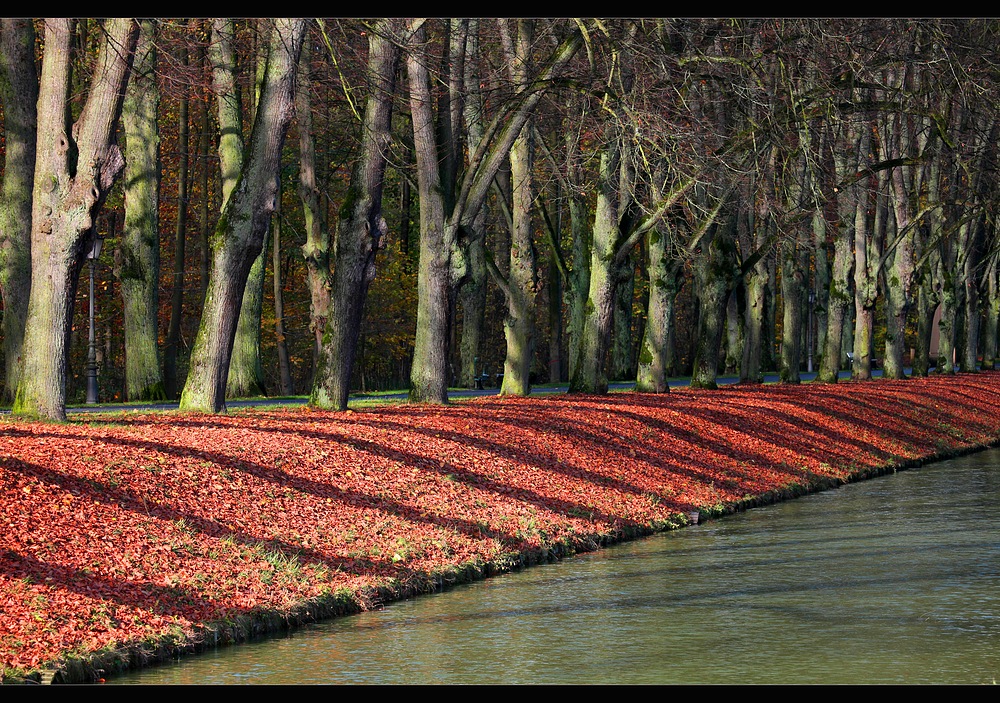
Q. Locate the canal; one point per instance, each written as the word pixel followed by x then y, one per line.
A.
pixel 894 580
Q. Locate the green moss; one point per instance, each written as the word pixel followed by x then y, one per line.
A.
pixel 347 208
pixel 645 356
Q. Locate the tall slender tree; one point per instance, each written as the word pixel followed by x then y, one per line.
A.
pixel 137 260
pixel 19 95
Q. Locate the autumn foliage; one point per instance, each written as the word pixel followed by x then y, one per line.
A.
pixel 122 537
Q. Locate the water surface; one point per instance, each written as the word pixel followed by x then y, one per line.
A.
pixel 894 580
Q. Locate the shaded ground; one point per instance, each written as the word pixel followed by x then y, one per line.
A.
pixel 125 536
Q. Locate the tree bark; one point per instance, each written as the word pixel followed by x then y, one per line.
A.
pixel 19 95
pixel 992 321
pixel 589 376
pixel 246 373
pixel 316 250
pixel 472 292
pixel 621 347
pixel 522 277
pixel 712 271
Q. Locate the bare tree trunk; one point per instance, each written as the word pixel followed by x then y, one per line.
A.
pixel 472 292
pixel 316 250
pixel 239 236
pixel 519 323
pixel 440 229
pixel 171 348
pixel 867 251
pixel 839 296
pixel 284 367
pixel 246 373
pixel 204 218
pixel 750 369
pixel 971 277
pixel 580 230
pixel 792 289
pixel 137 261
pixel 655 355
pixel 19 95
pixel 621 347
pixel 75 168
pixel 710 269
pixel 362 229
pixel 589 377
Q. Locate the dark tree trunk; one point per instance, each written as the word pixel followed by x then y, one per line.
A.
pixel 19 95
pixel 280 342
pixel 172 346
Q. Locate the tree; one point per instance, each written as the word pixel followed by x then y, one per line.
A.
pixel 137 261
pixel 361 229
pixel 444 217
pixel 239 235
pixel 76 166
pixel 19 95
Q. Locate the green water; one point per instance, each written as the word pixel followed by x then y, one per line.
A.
pixel 895 580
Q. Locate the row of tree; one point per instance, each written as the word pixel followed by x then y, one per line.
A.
pixel 787 179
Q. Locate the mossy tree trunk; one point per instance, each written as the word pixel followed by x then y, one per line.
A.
pixel 522 274
pixel 839 288
pixel 316 250
pixel 578 278
pixel 621 345
pixel 665 280
pixel 472 292
pixel 18 95
pixel 171 349
pixel 821 283
pixel 714 267
pixel 246 374
pixel 361 230
pixel 753 234
pixel 851 142
pixel 280 336
pixel 750 366
pixel 589 376
pixel 992 320
pixel 74 170
pixel 793 286
pixel 927 304
pixel 867 253
pixel 971 275
pixel 239 236
pixel 137 260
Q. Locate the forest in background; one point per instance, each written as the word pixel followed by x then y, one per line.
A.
pixel 543 199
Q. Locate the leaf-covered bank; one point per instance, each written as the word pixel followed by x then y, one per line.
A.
pixel 127 538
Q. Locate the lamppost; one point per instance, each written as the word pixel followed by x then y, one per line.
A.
pixel 95 251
